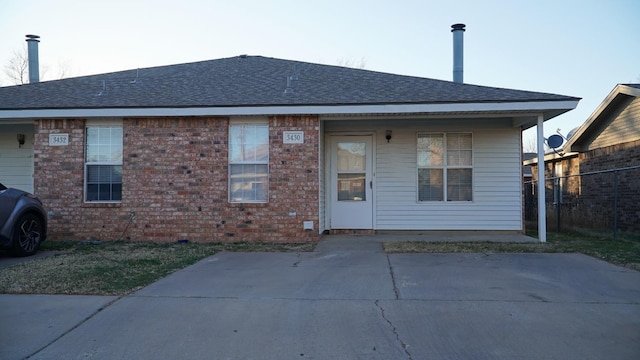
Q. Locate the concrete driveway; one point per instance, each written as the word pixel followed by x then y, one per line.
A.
pixel 346 300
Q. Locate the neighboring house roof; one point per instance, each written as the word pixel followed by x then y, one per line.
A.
pixel 526 170
pixel 611 109
pixel 260 82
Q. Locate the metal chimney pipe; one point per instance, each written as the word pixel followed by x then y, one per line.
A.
pixel 34 65
pixel 458 56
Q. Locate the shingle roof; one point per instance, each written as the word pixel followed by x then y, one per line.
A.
pixel 250 81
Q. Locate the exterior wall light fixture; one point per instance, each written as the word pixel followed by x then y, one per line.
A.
pixel 20 140
pixel 388 136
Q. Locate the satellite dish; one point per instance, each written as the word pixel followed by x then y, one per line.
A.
pixel 555 141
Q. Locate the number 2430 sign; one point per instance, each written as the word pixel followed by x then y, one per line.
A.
pixel 293 137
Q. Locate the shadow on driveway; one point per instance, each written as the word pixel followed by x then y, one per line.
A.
pixel 346 300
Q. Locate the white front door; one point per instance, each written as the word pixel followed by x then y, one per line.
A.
pixel 351 182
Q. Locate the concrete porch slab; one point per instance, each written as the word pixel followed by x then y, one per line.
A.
pixel 437 236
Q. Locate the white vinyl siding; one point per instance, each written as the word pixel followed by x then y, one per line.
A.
pixel 622 126
pixel 497 185
pixel 16 163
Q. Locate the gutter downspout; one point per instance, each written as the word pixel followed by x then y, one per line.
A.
pixel 542 215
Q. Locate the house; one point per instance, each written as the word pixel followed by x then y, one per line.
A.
pixel 596 171
pixel 527 176
pixel 251 148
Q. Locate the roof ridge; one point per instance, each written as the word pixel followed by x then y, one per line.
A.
pixel 250 80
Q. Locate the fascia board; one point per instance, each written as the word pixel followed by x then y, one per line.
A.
pixel 534 106
pixel 550 156
pixel 619 89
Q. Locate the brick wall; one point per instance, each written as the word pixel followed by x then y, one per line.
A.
pixel 175 180
pixel 589 199
pixel 570 185
pixel 58 174
pixel 597 198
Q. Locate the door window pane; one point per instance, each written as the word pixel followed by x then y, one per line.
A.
pixel 352 156
pixel 352 187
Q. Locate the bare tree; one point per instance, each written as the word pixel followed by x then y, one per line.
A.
pixel 17 67
pixel 63 70
pixel 530 145
pixel 352 63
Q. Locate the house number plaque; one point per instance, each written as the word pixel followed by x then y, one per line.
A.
pixel 58 139
pixel 293 137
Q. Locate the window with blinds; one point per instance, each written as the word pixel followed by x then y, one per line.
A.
pixel 103 164
pixel 445 167
pixel 248 162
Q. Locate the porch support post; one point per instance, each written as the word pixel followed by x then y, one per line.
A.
pixel 542 216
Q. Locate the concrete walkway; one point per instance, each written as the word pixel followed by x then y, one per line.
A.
pixel 446 236
pixel 346 300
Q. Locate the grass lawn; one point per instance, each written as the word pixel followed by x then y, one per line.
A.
pixel 112 268
pixel 118 268
pixel 620 252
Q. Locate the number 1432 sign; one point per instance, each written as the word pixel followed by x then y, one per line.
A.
pixel 293 137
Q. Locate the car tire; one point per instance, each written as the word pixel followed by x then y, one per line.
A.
pixel 27 235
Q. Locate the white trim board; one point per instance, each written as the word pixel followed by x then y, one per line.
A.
pixel 535 106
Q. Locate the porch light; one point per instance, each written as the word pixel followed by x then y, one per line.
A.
pixel 388 136
pixel 20 140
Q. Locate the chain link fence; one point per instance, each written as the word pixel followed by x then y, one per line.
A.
pixel 599 203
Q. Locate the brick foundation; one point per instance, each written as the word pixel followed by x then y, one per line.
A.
pixel 175 180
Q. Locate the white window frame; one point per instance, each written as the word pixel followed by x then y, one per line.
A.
pixel 232 162
pixel 100 124
pixel 444 167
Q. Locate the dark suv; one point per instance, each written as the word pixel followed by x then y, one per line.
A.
pixel 23 222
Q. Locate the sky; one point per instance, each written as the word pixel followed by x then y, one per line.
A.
pixel 579 48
